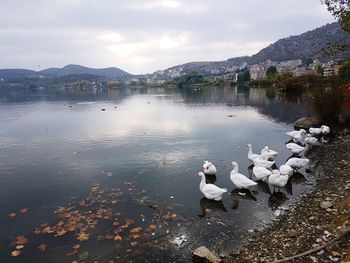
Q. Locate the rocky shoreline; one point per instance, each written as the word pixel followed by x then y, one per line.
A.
pixel 316 219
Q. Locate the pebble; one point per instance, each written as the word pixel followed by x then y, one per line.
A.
pixel 326 204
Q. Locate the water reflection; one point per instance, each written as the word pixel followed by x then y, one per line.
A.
pixel 267 100
pixel 154 139
pixel 208 207
pixel 210 178
pixel 243 194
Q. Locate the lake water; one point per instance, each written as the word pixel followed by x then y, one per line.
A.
pixel 118 167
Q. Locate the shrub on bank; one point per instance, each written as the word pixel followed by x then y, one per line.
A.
pixel 327 99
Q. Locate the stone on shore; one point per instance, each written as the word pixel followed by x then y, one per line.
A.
pixel 204 255
pixel 307 122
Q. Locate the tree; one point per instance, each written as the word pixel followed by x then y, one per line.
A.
pixel 344 71
pixel 243 76
pixel 340 9
pixel 272 70
pixel 320 69
pixel 246 75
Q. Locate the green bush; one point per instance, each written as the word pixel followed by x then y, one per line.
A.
pixel 327 99
pixel 344 71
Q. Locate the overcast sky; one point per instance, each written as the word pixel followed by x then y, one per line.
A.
pixel 142 36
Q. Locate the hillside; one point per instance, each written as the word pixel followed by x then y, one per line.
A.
pixel 307 45
pixel 17 73
pixel 77 69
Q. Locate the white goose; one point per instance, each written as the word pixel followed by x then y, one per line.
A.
pixel 261 173
pixel 210 191
pixel 209 168
pixel 315 131
pixel 263 163
pixel 285 169
pixel 325 129
pixel 297 163
pixel 252 156
pixel 311 140
pixel 267 153
pixel 295 148
pixel 240 180
pixel 297 136
pixel 277 179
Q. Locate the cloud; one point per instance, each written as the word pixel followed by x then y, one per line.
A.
pixel 143 36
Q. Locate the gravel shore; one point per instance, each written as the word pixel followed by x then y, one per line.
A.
pixel 315 219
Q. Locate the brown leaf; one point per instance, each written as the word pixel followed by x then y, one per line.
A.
pixel 42 247
pixel 83 236
pixel 19 247
pixel 136 230
pixel 47 230
pixel 77 246
pixel 152 227
pixel 134 244
pixel 20 240
pixel 37 231
pixel 11 215
pixel 135 236
pixel 109 237
pixel 60 232
pixel 130 221
pixel 72 253
pixel 15 253
pixel 23 210
pixel 118 238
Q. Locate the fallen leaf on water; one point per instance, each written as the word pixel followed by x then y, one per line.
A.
pixel 47 230
pixel 77 246
pixel 42 247
pixel 19 247
pixel 130 221
pixel 11 215
pixel 20 240
pixel 72 253
pixel 37 231
pixel 118 238
pixel 152 226
pixel 24 210
pixel 60 232
pixel 83 236
pixel 135 236
pixel 109 236
pixel 15 253
pixel 136 230
pixel 134 244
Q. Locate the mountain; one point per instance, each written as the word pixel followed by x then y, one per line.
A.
pixel 77 70
pixel 67 72
pixel 17 73
pixel 307 45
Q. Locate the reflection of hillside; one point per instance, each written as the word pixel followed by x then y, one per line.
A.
pixel 267 101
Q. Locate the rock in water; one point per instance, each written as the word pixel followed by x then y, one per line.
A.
pixel 204 255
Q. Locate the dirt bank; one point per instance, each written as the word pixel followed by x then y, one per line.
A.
pixel 316 218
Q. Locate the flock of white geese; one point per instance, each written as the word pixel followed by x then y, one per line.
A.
pixel 263 163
